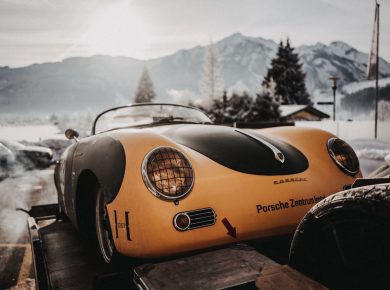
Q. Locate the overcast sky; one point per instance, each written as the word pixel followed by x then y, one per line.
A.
pixel 35 31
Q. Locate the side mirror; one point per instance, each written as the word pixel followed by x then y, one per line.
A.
pixel 71 134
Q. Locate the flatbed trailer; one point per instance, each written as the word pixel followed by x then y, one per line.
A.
pixel 63 260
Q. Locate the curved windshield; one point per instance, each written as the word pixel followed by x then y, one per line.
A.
pixel 151 114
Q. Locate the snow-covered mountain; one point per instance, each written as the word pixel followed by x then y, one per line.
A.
pixel 103 81
pixel 321 61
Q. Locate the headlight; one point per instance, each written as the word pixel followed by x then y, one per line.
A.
pixel 167 173
pixel 343 155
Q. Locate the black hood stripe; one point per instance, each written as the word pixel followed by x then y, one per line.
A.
pixel 238 151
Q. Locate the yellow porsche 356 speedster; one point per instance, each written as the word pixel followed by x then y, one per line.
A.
pixel 155 180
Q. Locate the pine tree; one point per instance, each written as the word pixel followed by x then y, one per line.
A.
pixel 145 90
pixel 244 109
pixel 230 110
pixel 211 83
pixel 241 108
pixel 265 108
pixel 286 72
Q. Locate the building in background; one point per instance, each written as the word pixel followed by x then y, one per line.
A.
pixel 301 113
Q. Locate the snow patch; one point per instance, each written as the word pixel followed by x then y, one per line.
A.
pixel 375 154
pixel 361 85
pixel 387 159
pixel 31 133
pixel 239 89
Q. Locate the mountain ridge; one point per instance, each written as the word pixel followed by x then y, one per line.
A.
pixel 101 81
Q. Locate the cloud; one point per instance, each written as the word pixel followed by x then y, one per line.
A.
pixel 176 24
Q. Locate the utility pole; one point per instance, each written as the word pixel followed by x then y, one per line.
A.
pixel 377 76
pixel 334 80
pixel 373 62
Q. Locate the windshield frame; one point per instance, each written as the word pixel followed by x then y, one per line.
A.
pixel 139 105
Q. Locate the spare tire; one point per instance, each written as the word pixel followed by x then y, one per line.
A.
pixel 344 241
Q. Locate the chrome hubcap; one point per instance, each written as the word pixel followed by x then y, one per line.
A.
pixel 103 230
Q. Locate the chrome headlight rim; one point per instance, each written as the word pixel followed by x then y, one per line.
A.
pixel 338 163
pixel 149 183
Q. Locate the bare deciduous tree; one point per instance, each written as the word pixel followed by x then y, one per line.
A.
pixel 211 83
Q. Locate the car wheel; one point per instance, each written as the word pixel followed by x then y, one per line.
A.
pixel 103 232
pixel 344 241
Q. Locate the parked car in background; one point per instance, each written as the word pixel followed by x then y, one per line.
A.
pixel 156 180
pixel 7 161
pixel 30 157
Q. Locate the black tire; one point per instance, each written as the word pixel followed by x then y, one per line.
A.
pixel 105 241
pixel 344 241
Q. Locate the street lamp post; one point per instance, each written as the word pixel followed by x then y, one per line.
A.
pixel 334 80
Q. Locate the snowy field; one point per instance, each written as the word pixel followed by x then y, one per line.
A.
pixel 31 133
pixel 35 128
pixel 351 130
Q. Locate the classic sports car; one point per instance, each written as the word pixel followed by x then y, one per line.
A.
pixel 159 179
pixel 7 160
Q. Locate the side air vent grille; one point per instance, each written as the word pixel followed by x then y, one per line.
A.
pixel 194 219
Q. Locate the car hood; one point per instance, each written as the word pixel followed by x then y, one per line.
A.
pixel 245 151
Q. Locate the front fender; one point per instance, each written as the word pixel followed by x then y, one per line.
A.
pixel 102 155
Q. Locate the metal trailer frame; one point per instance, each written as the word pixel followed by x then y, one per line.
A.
pixel 40 213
